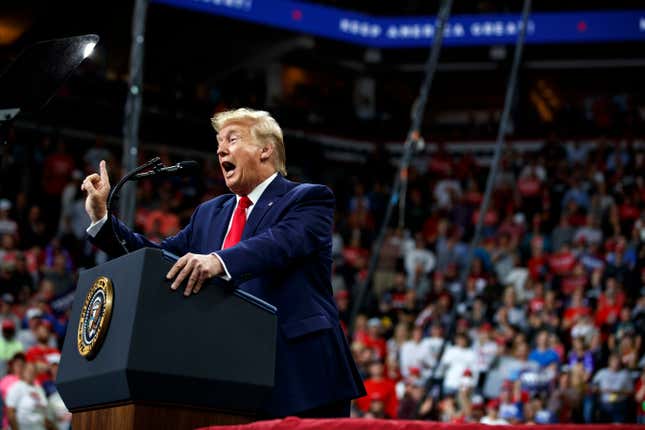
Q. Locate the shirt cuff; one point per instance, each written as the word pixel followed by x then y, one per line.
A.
pixel 94 228
pixel 226 276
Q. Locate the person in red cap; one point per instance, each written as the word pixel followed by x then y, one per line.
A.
pixel 9 345
pixel 38 353
pixel 491 418
pixel 379 387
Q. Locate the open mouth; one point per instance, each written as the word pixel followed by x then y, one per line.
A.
pixel 229 168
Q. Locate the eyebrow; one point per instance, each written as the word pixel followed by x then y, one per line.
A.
pixel 228 134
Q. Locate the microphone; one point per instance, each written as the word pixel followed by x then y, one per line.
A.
pixel 181 168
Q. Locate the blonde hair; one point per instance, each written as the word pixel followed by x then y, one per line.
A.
pixel 264 129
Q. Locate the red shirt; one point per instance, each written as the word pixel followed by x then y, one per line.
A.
pixel 572 313
pixel 640 407
pixel 384 390
pixel 378 344
pixel 607 313
pixel 490 218
pixel 571 283
pixel 619 301
pixel 536 304
pixel 562 262
pixel 56 172
pixel 627 212
pixel 536 266
pixel 529 187
pixel 351 254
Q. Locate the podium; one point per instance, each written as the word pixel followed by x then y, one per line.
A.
pixel 145 356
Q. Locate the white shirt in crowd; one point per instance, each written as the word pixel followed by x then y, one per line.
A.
pixel 416 354
pixel 613 384
pixel 485 353
pixel 418 257
pixel 455 361
pixel 493 421
pixel 30 404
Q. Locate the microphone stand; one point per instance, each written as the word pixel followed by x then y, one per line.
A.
pixel 155 164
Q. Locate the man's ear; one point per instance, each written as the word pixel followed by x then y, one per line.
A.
pixel 266 152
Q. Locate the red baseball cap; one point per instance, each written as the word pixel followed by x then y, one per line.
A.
pixel 486 327
pixel 493 403
pixel 8 325
pixel 342 294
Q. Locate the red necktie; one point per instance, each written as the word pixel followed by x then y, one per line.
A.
pixel 239 220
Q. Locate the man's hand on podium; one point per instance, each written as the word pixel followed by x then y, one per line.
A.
pixel 198 268
pixel 97 188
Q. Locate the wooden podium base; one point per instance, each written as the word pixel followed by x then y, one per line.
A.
pixel 136 416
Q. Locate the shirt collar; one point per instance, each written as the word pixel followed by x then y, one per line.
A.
pixel 257 192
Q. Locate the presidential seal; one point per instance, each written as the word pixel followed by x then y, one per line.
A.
pixel 95 317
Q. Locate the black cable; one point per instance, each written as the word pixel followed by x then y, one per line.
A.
pixel 113 197
pixel 412 138
pixel 501 133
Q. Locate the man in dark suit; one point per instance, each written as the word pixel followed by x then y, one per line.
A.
pixel 271 238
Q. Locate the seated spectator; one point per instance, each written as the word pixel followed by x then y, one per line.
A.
pixel 584 328
pixel 565 402
pixel 563 261
pixel 528 375
pixel 562 234
pixel 9 345
pixel 27 402
pixel 541 414
pixel 416 354
pixel 40 352
pixel 419 263
pixel 576 308
pixel 12 375
pixel 615 388
pixel 374 338
pixel 591 233
pixel 513 313
pixel 6 313
pixel 486 350
pixel 7 225
pixel 639 397
pixel 542 354
pixel 415 404
pixel 456 359
pixel 580 354
pixel 492 417
pixel 379 389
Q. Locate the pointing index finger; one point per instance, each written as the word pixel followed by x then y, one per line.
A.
pixel 104 173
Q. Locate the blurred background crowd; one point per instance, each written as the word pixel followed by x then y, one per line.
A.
pixel 548 323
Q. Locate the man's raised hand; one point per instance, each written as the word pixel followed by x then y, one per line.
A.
pixel 97 187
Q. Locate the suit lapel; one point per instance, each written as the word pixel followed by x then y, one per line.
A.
pixel 220 224
pixel 269 198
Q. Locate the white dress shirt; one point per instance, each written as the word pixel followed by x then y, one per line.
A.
pixel 254 196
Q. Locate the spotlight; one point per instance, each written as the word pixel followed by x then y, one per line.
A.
pixel 87 50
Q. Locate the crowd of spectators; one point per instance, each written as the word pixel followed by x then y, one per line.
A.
pixel 547 326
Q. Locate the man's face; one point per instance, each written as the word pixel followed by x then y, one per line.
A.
pixel 42 333
pixel 240 158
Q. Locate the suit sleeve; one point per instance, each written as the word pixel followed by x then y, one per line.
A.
pixel 303 230
pixel 104 239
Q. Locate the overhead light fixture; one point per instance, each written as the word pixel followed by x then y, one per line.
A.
pixel 87 50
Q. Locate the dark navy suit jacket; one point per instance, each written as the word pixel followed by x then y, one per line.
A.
pixel 284 258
